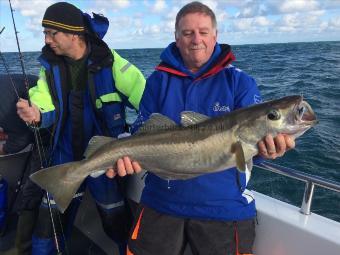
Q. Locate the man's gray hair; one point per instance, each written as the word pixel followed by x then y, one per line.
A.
pixel 195 7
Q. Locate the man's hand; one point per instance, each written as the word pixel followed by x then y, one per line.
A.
pixel 271 148
pixel 29 114
pixel 124 167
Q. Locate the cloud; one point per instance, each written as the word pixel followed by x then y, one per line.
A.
pixel 159 6
pixel 242 25
pixel 31 8
pixel 114 5
pixel 121 24
pixel 290 20
pixel 330 4
pixel 253 8
pixel 34 10
pixel 211 3
pixel 252 25
pixel 149 30
pixel 330 27
pixel 290 6
pixel 121 3
pixel 335 22
pixel 250 9
pixel 300 22
pixel 262 21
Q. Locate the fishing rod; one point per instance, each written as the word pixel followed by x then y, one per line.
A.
pixel 19 52
pixel 33 124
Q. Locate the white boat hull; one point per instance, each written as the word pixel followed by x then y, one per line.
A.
pixel 283 230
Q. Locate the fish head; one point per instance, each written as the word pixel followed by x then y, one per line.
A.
pixel 290 115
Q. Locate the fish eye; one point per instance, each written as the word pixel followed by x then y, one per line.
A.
pixel 274 115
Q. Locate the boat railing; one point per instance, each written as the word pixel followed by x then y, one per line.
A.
pixel 310 180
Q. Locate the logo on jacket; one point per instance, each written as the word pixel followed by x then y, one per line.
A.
pixel 257 99
pixel 221 108
pixel 117 116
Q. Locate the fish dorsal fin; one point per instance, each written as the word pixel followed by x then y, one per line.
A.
pixel 95 143
pixel 189 118
pixel 156 122
pixel 237 149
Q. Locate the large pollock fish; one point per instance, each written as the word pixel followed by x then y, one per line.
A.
pixel 199 146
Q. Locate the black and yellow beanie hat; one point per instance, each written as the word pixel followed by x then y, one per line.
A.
pixel 64 17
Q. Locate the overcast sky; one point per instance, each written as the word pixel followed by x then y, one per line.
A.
pixel 150 23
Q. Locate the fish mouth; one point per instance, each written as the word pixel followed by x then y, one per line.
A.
pixel 304 118
pixel 304 113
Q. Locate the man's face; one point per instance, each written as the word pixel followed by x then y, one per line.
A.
pixel 196 39
pixel 61 43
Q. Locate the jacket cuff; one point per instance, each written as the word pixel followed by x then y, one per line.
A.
pixel 47 119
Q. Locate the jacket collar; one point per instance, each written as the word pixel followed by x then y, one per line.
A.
pixel 221 57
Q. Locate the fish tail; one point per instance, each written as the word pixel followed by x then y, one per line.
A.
pixel 61 181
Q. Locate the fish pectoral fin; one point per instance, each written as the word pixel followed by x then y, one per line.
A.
pixel 237 149
pixel 95 143
pixel 156 122
pixel 191 118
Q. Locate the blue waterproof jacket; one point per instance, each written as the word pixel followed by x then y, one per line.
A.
pixel 218 88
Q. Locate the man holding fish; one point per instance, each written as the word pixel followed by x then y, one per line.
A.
pixel 213 213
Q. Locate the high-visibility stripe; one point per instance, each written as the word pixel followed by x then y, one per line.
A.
pixel 237 242
pixel 111 97
pixel 136 230
pixel 111 206
pixel 61 25
pixel 236 239
pixel 128 252
pixel 44 200
pixel 126 67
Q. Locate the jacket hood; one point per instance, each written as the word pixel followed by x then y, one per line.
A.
pixel 172 61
